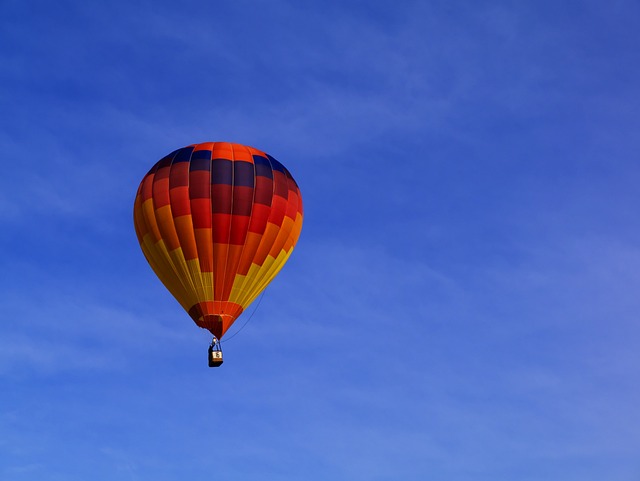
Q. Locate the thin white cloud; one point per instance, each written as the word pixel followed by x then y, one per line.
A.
pixel 53 332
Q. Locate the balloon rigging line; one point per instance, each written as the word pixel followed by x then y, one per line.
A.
pixel 247 321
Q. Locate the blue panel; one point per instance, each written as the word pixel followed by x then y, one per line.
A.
pixel 183 155
pixel 289 176
pixel 199 164
pixel 243 174
pixel 275 165
pixel 221 171
pixel 166 161
pixel 263 166
pixel 201 154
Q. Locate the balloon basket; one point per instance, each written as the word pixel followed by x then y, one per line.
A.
pixel 215 355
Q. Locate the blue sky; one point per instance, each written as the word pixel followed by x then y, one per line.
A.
pixel 462 304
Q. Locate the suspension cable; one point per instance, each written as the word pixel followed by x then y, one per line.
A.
pixel 247 321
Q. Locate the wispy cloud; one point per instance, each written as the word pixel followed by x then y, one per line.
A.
pixel 56 333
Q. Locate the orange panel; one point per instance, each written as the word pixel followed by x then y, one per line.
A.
pixel 250 248
pixel 205 249
pixel 266 243
pixel 241 153
pixel 222 150
pixel 220 253
pixel 150 217
pixel 235 251
pixel 203 146
pixel 184 229
pixel 167 228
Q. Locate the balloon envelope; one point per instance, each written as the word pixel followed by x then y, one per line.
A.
pixel 216 222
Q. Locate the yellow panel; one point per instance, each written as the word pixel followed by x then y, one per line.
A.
pixel 183 270
pixel 202 281
pixel 247 287
pixel 273 261
pixel 276 266
pixel 150 218
pixel 167 227
pixel 258 280
pixel 237 290
pixel 159 260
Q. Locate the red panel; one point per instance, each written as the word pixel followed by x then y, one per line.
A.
pixel 242 200
pixel 294 197
pixel 199 184
pixel 163 172
pixel 300 208
pixel 221 198
pixel 280 184
pixel 179 175
pixel 147 187
pixel 278 210
pixel 220 228
pixel 292 205
pixel 259 218
pixel 180 203
pixel 239 227
pixel 201 213
pixel 264 190
pixel 161 192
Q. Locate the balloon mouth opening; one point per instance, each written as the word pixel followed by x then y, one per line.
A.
pixel 214 317
pixel 214 324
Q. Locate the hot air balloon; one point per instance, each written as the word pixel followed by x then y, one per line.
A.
pixel 217 221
